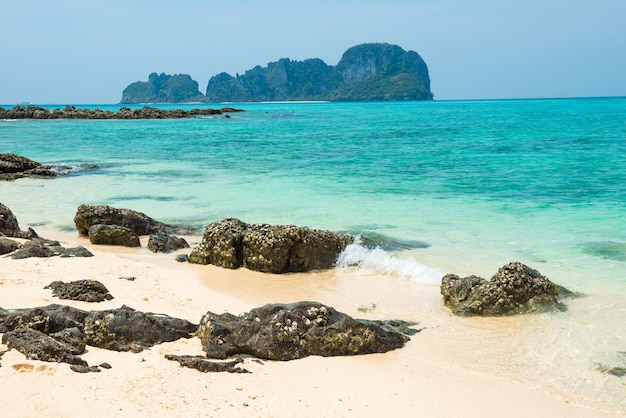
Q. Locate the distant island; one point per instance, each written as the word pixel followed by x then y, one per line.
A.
pixel 367 72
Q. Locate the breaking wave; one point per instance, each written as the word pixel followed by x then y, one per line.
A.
pixel 378 261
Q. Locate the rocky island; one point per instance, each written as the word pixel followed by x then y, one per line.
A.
pixel 367 72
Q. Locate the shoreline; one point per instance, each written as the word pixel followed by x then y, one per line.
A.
pixel 452 367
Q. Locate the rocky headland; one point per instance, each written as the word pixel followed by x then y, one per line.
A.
pixel 366 72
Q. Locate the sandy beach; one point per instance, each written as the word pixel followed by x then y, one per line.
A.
pixel 453 367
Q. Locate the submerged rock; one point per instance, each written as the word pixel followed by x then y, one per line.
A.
pixel 13 167
pixel 613 364
pixel 126 329
pixel 515 288
pixel 82 290
pixel 232 243
pixel 287 332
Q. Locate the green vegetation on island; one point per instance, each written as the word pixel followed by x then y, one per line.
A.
pixel 367 72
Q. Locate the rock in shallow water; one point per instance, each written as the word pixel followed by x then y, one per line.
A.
pixel 140 223
pixel 277 249
pixel 515 288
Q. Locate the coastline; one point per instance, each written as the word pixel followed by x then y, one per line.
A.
pixel 452 367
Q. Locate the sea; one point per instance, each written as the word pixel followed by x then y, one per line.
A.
pixel 439 187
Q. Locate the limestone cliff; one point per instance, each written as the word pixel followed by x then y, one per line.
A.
pixel 376 71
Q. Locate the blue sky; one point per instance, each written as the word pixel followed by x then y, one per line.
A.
pixel 88 52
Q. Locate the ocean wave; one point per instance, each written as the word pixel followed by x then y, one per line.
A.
pixel 378 261
pixel 66 169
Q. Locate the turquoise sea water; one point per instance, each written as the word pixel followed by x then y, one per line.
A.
pixel 446 187
pixel 480 182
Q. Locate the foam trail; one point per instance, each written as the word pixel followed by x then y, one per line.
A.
pixel 378 261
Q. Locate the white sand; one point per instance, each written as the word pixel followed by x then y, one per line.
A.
pixel 454 367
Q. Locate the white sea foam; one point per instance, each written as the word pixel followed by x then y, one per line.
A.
pixel 379 261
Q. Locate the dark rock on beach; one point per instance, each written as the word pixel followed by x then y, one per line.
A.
pixel 43 248
pixel 126 329
pixel 79 251
pixel 166 243
pixel 287 332
pixel 139 223
pixel 8 245
pixel 36 248
pixel 81 290
pixel 515 288
pixel 60 333
pixel 113 235
pixel 232 243
pixel 203 365
pixel 47 319
pixel 36 345
pixel 71 112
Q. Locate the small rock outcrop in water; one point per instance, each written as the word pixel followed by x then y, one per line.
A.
pixel 13 167
pixel 515 288
pixel 35 246
pixel 232 243
pixel 9 226
pixel 139 223
pixel 82 290
pixel 71 112
pixel 288 332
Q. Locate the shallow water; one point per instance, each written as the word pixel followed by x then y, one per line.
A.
pixel 443 187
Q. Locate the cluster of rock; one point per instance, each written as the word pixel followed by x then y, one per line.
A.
pixel 515 288
pixel 34 246
pixel 71 112
pixel 275 331
pixel 232 244
pixel 107 225
pixel 14 166
pixel 58 333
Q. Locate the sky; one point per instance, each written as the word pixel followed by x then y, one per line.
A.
pixel 87 52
